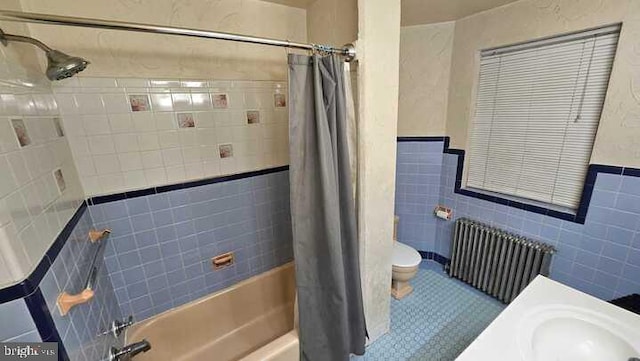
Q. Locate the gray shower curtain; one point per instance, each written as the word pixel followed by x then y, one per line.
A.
pixel 325 244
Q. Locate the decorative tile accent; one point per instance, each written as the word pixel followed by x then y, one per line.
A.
pixel 20 129
pixel 58 126
pixel 253 116
pixel 139 103
pixel 220 101
pixel 161 244
pixel 185 120
pixel 226 150
pixel 436 322
pixel 60 182
pixel 280 100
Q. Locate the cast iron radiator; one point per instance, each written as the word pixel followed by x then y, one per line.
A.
pixel 494 261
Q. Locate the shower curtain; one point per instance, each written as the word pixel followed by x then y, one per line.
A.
pixel 325 244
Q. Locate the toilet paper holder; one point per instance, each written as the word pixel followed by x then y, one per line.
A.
pixel 443 212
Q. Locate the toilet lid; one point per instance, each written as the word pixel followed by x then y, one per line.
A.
pixel 405 256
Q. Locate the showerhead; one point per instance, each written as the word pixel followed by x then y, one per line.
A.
pixel 59 64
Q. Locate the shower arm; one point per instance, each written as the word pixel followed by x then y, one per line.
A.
pixel 5 38
pixel 348 50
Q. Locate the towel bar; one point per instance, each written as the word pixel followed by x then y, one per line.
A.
pixel 67 301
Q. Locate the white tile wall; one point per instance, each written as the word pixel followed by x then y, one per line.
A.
pixel 117 149
pixel 32 209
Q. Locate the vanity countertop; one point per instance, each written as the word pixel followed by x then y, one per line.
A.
pixel 566 317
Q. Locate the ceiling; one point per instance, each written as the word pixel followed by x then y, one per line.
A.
pixel 416 12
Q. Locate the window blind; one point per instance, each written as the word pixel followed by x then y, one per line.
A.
pixel 537 110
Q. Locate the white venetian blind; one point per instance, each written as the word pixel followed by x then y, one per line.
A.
pixel 537 111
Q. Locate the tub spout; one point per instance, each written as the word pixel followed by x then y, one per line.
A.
pixel 128 352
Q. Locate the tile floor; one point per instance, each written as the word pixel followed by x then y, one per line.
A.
pixel 436 322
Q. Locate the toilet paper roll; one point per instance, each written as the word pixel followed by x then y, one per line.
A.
pixel 442 214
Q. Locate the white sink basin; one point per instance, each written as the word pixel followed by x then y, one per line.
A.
pixel 549 321
pixel 567 333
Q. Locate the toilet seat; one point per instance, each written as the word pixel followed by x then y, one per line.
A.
pixel 405 256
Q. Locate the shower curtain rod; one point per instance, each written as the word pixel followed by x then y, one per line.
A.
pixel 348 50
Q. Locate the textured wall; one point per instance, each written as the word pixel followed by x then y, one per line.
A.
pixel 619 131
pixel 26 53
pixel 378 50
pixel 160 250
pixel 126 54
pixel 343 17
pixel 341 14
pixel 417 12
pixel 425 60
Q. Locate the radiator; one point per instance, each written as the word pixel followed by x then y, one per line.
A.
pixel 494 261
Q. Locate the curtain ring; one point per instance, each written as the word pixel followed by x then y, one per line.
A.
pixel 321 50
pixel 288 48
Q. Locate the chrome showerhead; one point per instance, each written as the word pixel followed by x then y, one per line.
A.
pixel 61 65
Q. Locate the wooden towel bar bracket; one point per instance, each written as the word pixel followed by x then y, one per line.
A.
pixel 95 235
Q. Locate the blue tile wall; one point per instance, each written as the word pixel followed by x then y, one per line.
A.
pixel 16 323
pixel 81 329
pixel 160 250
pixel 418 173
pixel 600 257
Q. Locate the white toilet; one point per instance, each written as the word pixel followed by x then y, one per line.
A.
pixel 406 261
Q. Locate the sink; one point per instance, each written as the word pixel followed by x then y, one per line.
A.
pixel 574 339
pixel 568 333
pixel 549 321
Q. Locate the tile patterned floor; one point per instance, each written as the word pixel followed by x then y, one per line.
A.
pixel 436 322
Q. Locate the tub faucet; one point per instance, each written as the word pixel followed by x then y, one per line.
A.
pixel 128 352
pixel 118 326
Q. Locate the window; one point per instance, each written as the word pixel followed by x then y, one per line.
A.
pixel 537 110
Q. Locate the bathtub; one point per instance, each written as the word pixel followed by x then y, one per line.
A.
pixel 250 321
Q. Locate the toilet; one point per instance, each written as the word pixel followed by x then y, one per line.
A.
pixel 406 261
